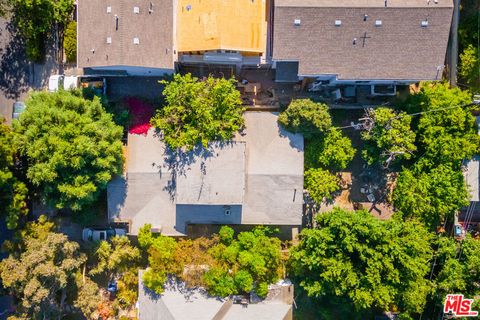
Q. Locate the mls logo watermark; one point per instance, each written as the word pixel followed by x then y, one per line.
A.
pixel 457 306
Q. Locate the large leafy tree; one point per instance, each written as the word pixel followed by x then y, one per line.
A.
pixel 321 184
pixel 369 263
pixel 118 259
pixel 255 258
pixel 88 297
pixel 115 257
pixel 333 151
pixel 306 117
pixel 42 275
pixel 199 111
pixel 469 67
pixel 431 196
pixel 446 132
pixel 390 138
pixel 72 147
pixel 13 193
pixel 456 269
pixel 35 20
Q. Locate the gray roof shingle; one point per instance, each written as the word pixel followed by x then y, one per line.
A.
pixel 154 30
pixel 399 49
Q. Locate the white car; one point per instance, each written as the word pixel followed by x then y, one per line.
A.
pixel 96 234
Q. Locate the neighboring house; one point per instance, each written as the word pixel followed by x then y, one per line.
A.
pixel 361 41
pixel 181 303
pixel 222 32
pixel 150 37
pixel 127 37
pixel 255 179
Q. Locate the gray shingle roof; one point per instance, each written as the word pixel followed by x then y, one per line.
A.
pixel 154 30
pixel 399 49
pixel 364 3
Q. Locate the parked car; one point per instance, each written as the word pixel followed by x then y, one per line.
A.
pixel 98 234
pixel 18 108
pixel 55 82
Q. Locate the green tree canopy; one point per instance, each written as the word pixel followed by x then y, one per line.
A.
pixel 391 137
pixel 431 196
pixel 447 133
pixel 35 19
pixel 199 111
pixel 306 117
pixel 456 268
pixel 70 42
pixel 469 67
pixel 41 275
pixel 13 193
pixel 370 263
pixel 72 147
pixel 333 151
pixel 321 184
pixel 231 265
pixel 255 258
pixel 115 256
pixel 445 128
pixel 88 297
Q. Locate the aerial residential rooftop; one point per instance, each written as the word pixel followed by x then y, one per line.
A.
pixel 255 179
pixel 221 25
pixel 135 33
pixel 364 40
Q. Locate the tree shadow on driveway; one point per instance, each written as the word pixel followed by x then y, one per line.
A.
pixel 14 66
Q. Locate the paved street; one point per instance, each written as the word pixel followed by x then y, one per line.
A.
pixel 17 74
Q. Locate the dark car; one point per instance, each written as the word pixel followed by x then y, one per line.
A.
pixel 18 108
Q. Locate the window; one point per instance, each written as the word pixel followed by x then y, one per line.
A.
pixel 136 40
pixel 378 23
pixel 424 23
pixel 109 40
pixel 297 22
pixel 338 23
pixel 109 9
pixel 136 10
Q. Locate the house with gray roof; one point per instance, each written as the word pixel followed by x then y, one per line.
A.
pixel 255 179
pixel 179 302
pixel 128 37
pixel 361 41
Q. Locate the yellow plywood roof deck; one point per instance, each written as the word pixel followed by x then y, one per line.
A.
pixel 239 25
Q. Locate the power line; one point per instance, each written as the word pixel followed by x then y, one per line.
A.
pixel 399 116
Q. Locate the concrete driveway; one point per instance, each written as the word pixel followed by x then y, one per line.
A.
pixel 18 76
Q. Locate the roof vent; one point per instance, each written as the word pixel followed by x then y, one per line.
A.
pixel 109 9
pixel 136 10
pixel 338 23
pixel 109 40
pixel 136 40
pixel 297 22
pixel 378 23
pixel 424 23
pixel 188 7
pixel 365 17
pixel 150 9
